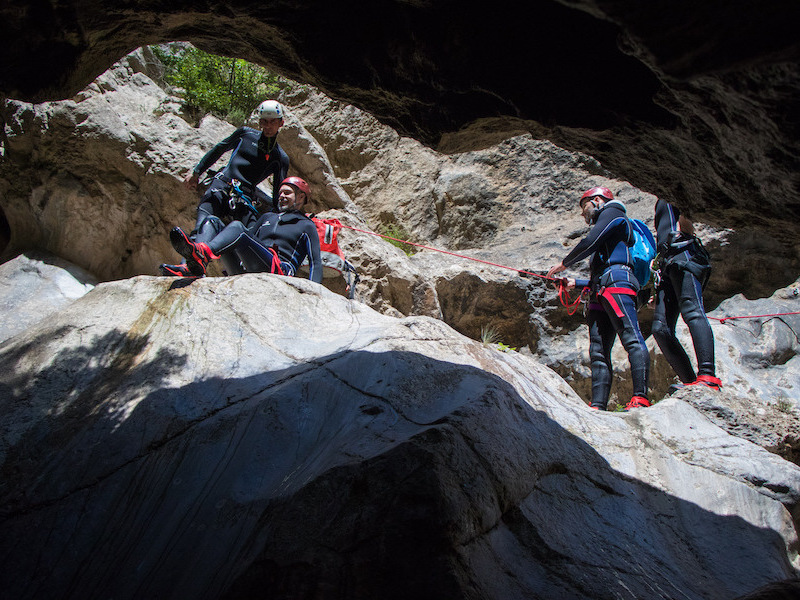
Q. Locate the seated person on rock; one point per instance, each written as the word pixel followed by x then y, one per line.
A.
pixel 277 242
pixel 256 155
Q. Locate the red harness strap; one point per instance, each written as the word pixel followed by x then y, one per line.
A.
pixel 275 267
pixel 608 294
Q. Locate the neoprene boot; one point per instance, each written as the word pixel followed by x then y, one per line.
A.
pixel 197 254
pixel 637 402
pixel 709 381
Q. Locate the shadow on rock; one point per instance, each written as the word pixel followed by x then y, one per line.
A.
pixel 358 475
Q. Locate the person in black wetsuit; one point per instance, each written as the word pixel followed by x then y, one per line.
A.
pixel 278 242
pixel 684 268
pixel 256 155
pixel 612 300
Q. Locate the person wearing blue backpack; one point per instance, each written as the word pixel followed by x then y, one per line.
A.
pixel 613 289
pixel 684 268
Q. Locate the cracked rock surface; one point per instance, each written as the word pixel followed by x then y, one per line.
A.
pixel 213 439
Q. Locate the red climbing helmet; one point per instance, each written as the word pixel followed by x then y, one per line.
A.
pixel 298 183
pixel 596 191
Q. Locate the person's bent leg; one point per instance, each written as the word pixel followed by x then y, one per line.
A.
pixel 626 323
pixel 208 229
pixel 213 204
pixel 601 341
pixel 665 318
pixel 694 315
pixel 257 258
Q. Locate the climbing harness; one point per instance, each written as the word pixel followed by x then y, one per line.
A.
pixel 237 196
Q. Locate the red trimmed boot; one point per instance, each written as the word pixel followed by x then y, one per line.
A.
pixel 181 270
pixel 709 381
pixel 197 254
pixel 637 402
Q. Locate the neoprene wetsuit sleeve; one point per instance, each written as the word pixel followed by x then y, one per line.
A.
pixel 592 242
pixel 218 150
pixel 280 175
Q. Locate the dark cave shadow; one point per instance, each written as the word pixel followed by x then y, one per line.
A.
pixel 359 475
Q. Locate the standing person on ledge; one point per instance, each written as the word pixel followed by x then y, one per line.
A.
pixel 612 301
pixel 684 269
pixel 256 155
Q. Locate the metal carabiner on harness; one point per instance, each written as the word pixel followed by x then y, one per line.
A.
pixel 231 196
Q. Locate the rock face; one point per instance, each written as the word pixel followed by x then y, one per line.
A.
pixel 35 286
pixel 758 359
pixel 169 440
pixel 511 204
pixel 95 179
pixel 665 96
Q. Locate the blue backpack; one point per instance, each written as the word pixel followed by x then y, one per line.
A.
pixel 643 251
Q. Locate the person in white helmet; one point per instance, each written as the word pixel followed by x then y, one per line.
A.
pixel 256 155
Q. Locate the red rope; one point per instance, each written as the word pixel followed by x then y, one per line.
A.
pixel 563 293
pixel 486 262
pixel 723 319
pixel 563 297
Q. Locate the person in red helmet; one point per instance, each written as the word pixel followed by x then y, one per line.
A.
pixel 255 156
pixel 612 295
pixel 278 242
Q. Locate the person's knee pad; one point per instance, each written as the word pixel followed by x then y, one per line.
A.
pixel 209 228
pixel 660 330
pixel 692 312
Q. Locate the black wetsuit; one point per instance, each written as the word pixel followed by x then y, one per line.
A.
pixel 684 271
pixel 291 235
pixel 612 301
pixel 255 157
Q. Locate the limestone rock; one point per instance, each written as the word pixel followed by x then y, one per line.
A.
pixel 34 286
pixel 686 110
pixel 758 363
pixel 96 179
pixel 180 440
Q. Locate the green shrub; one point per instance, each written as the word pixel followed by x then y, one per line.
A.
pixel 228 88
pixel 398 232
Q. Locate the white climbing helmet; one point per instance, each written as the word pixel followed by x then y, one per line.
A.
pixel 270 109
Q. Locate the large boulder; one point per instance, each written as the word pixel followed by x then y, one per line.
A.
pixel 35 286
pixel 758 360
pixel 219 438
